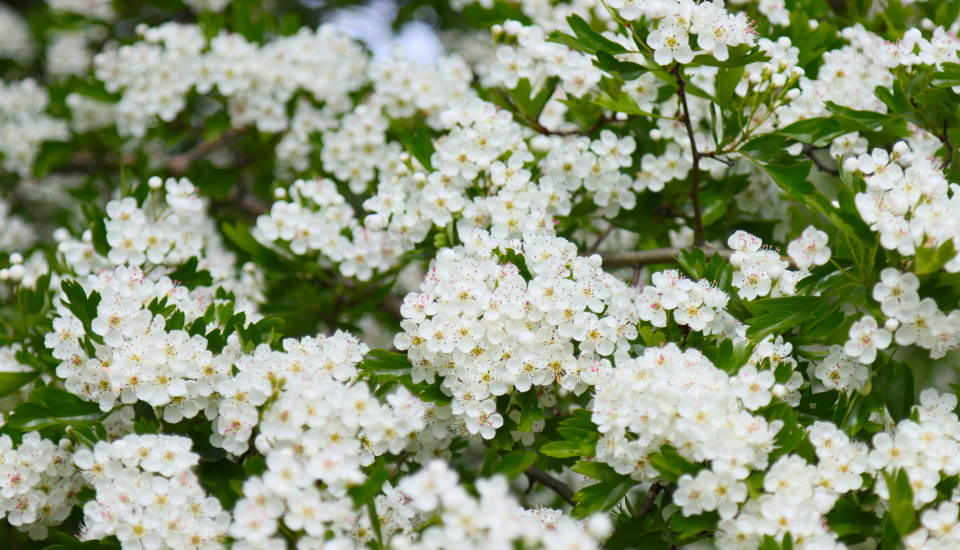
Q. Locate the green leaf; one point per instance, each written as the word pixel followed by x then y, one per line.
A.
pixel 849 518
pixel 591 39
pixel 930 260
pixel 671 464
pixel 13 381
pixel 567 449
pixel 189 276
pixel 900 393
pixel 625 70
pixel 416 140
pixel 366 491
pixel 688 526
pixel 596 470
pixel 901 512
pixel 515 463
pixel 600 496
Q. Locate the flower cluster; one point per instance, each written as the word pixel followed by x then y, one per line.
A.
pixel 486 328
pixel 528 55
pixel 38 483
pixel 669 396
pixel 147 495
pixel 17 42
pixel 24 124
pixel 914 320
pixel 909 207
pixel 325 444
pixel 760 271
pixel 838 371
pixel 155 74
pixel 491 520
pixel 697 305
pixel 715 28
pixel 796 494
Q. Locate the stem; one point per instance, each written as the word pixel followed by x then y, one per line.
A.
pixel 647 503
pixel 695 169
pixel 603 236
pixel 539 476
pixel 179 164
pixel 945 138
pixel 654 256
pixel 809 150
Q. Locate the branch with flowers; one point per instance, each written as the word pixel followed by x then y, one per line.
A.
pixel 627 274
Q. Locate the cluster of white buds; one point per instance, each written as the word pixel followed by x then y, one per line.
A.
pixel 147 495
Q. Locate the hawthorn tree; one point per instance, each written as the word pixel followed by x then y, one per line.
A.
pixel 561 275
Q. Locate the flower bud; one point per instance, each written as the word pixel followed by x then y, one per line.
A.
pixel 891 324
pixel 851 164
pixel 155 183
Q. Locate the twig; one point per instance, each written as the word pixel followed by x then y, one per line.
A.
pixel 695 169
pixel 547 480
pixel 178 164
pixel 809 151
pixel 647 503
pixel 654 256
pixel 945 138
pixel 599 241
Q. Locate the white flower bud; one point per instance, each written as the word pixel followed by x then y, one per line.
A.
pixel 900 148
pixel 775 272
pixel 851 164
pixel 262 444
pixel 155 182
pixel 16 258
pixel 279 193
pixel 814 24
pixel 599 526
pixel 793 93
pixel 778 80
pixel 16 272
pixel 891 324
pixel 656 134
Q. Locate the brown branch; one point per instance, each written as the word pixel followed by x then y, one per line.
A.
pixel 810 152
pixel 654 256
pixel 945 138
pixel 695 169
pixel 647 503
pixel 603 236
pixel 543 478
pixel 179 164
